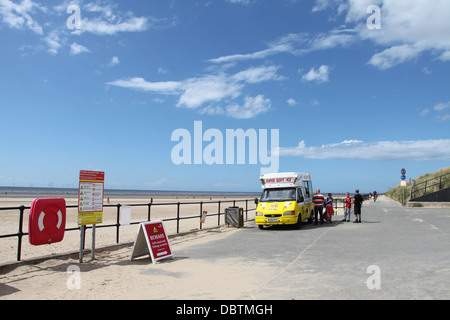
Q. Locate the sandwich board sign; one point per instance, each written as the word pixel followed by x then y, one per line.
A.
pixel 152 240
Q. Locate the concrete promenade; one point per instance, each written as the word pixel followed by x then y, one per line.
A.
pixel 395 253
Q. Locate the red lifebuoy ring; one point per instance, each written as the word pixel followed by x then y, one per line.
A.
pixel 47 221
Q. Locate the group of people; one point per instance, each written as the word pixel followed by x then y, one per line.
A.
pixel 323 207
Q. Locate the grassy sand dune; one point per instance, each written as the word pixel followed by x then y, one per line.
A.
pixel 396 193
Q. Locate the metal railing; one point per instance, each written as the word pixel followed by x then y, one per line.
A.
pixel 178 218
pixel 431 185
pixel 338 203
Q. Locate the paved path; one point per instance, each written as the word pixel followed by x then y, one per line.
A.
pixel 403 252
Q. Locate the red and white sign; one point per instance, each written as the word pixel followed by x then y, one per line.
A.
pixel 279 180
pixel 152 239
pixel 47 221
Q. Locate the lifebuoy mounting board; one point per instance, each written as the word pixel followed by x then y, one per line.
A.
pixel 47 221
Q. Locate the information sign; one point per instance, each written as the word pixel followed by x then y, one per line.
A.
pixel 152 240
pixel 90 197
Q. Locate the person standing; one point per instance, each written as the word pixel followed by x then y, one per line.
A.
pixel 348 207
pixel 318 200
pixel 329 207
pixel 358 200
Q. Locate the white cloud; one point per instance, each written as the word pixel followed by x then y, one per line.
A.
pixel 323 4
pixel 408 28
pixel 244 2
pixel 331 40
pixel 443 117
pixel 427 71
pixel 291 102
pixel 320 75
pixel 295 44
pixel 315 103
pixel 443 111
pixel 418 150
pixel 394 56
pixel 110 21
pixel 161 70
pixel 286 44
pixel 98 17
pixel 168 87
pixel 76 49
pixel 440 112
pixel 255 55
pixel 424 112
pixel 258 74
pixel 250 109
pixel 445 56
pixel 213 88
pixel 18 15
pixel 53 42
pixel 114 61
pixel 210 88
pixel 442 106
pixel 100 27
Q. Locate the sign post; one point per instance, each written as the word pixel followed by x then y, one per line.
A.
pixel 152 239
pixel 403 184
pixel 90 204
pixel 203 217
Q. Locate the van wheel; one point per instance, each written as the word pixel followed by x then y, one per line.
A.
pixel 260 227
pixel 298 225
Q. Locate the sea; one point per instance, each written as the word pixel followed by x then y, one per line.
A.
pixel 17 191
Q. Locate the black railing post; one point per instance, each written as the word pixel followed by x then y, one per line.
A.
pixel 118 223
pixel 20 234
pixel 201 212
pixel 218 215
pixel 246 210
pixel 178 217
pixel 149 211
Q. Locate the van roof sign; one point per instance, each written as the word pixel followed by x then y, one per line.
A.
pixel 283 180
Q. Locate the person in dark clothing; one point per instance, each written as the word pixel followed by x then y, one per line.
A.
pixel 358 200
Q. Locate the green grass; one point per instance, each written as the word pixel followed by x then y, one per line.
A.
pixel 396 193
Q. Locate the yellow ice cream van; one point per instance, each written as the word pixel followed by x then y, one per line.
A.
pixel 286 199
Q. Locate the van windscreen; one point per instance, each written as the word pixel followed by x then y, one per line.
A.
pixel 278 195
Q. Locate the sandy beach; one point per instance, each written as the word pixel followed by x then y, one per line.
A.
pixel 107 236
pixel 111 275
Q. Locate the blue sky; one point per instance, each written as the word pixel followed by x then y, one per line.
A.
pixel 353 104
